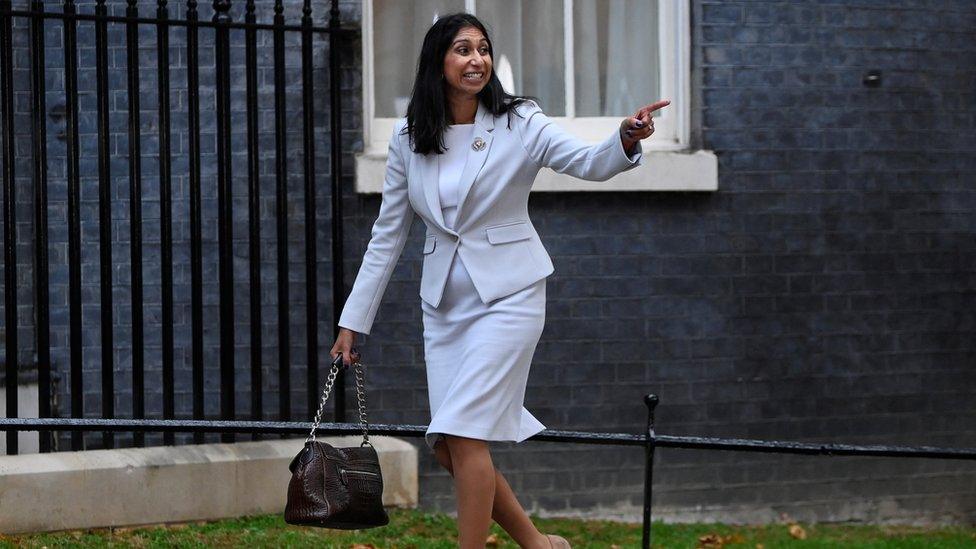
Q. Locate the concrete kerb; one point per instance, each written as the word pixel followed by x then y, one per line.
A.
pixel 139 486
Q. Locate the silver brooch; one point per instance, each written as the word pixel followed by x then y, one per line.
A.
pixel 478 144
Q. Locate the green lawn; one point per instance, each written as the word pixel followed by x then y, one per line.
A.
pixel 411 528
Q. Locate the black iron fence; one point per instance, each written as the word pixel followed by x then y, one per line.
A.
pixel 649 440
pixel 69 19
pixel 220 25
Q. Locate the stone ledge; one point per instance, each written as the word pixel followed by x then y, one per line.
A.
pixel 661 170
pixel 135 486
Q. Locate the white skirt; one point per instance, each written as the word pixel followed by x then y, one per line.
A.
pixel 478 358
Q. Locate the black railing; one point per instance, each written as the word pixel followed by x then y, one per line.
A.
pixel 221 24
pixel 189 26
pixel 649 440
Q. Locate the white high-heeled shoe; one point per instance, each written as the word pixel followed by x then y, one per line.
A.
pixel 558 542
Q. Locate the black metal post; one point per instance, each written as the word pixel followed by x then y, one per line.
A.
pixel 41 278
pixel 651 401
pixel 281 216
pixel 225 212
pixel 165 215
pixel 9 219
pixel 74 217
pixel 254 214
pixel 135 220
pixel 338 280
pixel 196 231
pixel 104 220
pixel 311 270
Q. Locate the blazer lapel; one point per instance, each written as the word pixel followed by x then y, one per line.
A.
pixel 483 125
pixel 430 179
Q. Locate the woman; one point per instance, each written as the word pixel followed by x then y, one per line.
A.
pixel 463 163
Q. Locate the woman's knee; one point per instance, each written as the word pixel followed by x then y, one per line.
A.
pixel 443 456
pixel 465 446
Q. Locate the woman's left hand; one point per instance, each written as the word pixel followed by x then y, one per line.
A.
pixel 641 125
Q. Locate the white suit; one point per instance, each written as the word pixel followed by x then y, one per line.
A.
pixel 493 233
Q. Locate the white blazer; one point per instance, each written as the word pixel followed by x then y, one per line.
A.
pixel 493 233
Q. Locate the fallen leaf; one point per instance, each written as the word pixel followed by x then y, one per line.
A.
pixel 797 531
pixel 714 541
pixel 709 541
pixel 492 540
pixel 362 546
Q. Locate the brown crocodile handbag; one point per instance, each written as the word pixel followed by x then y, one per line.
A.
pixel 337 487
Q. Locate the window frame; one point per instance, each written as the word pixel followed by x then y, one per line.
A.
pixel 695 171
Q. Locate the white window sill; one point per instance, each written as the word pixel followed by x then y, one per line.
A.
pixel 660 170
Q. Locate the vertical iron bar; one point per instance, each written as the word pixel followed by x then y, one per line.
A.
pixel 335 109
pixel 104 219
pixel 651 401
pixel 196 232
pixel 196 235
pixel 254 223
pixel 165 213
pixel 224 207
pixel 281 215
pixel 74 217
pixel 135 220
pixel 311 290
pixel 9 219
pixel 41 279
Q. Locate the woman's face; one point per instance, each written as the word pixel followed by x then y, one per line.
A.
pixel 468 54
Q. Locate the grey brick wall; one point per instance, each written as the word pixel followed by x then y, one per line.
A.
pixel 824 293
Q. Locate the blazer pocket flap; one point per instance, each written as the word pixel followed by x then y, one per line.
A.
pixel 429 243
pixel 509 232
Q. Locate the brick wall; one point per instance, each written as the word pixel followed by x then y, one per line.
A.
pixel 824 293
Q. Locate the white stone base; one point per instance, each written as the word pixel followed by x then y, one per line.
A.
pixel 133 486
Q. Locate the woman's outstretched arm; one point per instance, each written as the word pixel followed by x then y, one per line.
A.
pixel 551 146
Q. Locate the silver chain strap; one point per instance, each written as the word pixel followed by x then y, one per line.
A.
pixel 360 394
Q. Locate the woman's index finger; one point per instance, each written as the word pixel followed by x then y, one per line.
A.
pixel 656 105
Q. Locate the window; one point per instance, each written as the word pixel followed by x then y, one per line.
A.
pixel 591 63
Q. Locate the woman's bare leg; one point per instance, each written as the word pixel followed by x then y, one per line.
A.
pixel 506 509
pixel 474 487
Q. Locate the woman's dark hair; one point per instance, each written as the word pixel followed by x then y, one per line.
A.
pixel 427 115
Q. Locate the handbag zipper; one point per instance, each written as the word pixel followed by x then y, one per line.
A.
pixel 343 471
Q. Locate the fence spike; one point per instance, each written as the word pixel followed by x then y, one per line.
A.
pixel 221 11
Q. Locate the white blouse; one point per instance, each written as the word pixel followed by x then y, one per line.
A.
pixel 457 141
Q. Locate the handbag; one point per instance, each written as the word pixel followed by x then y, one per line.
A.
pixel 337 487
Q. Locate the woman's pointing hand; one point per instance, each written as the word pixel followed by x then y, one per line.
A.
pixel 641 125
